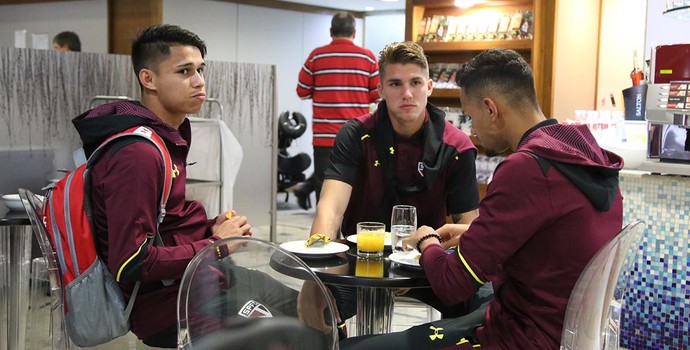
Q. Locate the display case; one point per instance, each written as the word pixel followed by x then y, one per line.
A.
pixel 451 35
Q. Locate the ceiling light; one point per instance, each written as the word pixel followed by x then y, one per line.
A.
pixel 369 8
pixel 678 11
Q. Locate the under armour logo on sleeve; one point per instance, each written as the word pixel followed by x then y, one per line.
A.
pixel 471 341
pixel 437 333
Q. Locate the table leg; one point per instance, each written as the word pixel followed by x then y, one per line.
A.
pixel 374 310
pixel 15 253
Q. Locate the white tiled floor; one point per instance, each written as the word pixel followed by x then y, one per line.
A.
pixel 292 223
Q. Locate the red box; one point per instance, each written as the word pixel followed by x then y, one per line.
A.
pixel 671 62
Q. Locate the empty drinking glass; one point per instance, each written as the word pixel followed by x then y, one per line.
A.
pixel 403 223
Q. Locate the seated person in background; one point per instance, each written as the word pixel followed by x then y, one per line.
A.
pixel 126 185
pixel 550 207
pixel 405 152
pixel 67 41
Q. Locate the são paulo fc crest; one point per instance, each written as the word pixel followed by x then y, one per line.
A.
pixel 253 309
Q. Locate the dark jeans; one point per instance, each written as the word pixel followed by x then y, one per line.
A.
pixel 346 300
pixel 165 339
pixel 444 333
pixel 440 334
pixel 322 157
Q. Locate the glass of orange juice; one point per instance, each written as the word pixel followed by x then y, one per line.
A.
pixel 369 267
pixel 370 239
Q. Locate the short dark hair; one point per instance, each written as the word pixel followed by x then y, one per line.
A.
pixel 499 70
pixel 342 25
pixel 405 52
pixel 153 45
pixel 71 39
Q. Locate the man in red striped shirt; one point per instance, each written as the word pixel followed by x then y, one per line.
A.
pixel 341 80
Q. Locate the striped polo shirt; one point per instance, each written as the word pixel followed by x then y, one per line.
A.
pixel 341 79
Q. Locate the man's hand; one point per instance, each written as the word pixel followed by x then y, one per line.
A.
pixel 311 304
pixel 411 241
pixel 450 233
pixel 229 224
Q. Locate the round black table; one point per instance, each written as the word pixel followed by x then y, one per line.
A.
pixel 12 218
pixel 375 294
pixel 15 262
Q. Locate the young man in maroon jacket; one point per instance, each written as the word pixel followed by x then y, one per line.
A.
pixel 550 207
pixel 404 152
pixel 126 185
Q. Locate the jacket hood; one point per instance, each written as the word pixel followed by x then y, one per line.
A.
pixel 573 151
pixel 97 124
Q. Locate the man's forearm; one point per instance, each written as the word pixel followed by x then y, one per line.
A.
pixel 326 223
pixel 456 218
pixel 464 218
pixel 333 202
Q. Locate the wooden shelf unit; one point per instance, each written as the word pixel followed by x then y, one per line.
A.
pixel 437 93
pixel 538 50
pixel 476 45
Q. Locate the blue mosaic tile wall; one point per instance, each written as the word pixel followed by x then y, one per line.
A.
pixel 656 314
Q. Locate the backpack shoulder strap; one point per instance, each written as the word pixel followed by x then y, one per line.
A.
pixel 145 133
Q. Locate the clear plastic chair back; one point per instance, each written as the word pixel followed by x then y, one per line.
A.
pixel 232 296
pixel 57 331
pixel 592 319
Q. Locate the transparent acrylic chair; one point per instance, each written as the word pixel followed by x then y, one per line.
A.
pixel 57 331
pixel 241 293
pixel 40 302
pixel 592 319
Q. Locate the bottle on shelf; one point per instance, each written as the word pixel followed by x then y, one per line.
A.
pixel 636 75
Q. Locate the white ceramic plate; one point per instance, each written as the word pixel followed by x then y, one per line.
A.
pixel 386 240
pixel 316 251
pixel 13 202
pixel 409 258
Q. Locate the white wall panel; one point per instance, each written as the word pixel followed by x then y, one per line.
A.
pixel 381 30
pixel 315 33
pixel 89 19
pixel 214 21
pixel 276 39
pixel 593 60
pixel 575 56
pixel 622 32
pixel 663 30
